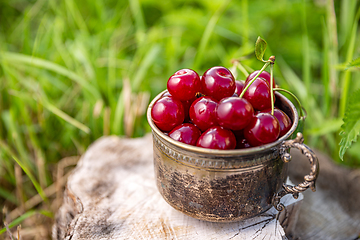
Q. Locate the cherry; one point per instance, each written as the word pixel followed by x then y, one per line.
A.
pixel 283 118
pixel 265 75
pixel 217 138
pixel 258 94
pixel 184 84
pixel 186 133
pixel 202 112
pixel 167 113
pixel 234 113
pixel 186 105
pixel 218 82
pixel 212 105
pixel 241 141
pixel 264 128
pixel 239 86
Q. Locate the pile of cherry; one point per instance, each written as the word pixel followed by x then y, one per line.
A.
pixel 207 111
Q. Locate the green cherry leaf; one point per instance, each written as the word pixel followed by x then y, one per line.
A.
pixel 260 47
pixel 350 130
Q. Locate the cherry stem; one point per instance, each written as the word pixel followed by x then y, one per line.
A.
pixel 271 87
pixel 252 80
pixel 296 99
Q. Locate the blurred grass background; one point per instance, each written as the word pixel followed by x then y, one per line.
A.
pixel 72 71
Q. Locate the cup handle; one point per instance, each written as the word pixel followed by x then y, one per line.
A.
pixel 309 180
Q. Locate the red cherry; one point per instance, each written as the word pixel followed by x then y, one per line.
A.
pixel 234 113
pixel 283 118
pixel 186 133
pixel 184 84
pixel 239 134
pixel 241 141
pixel 218 82
pixel 264 128
pixel 186 105
pixel 202 112
pixel 265 75
pixel 167 113
pixel 258 94
pixel 217 138
pixel 239 86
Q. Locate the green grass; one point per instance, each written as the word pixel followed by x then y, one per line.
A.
pixel 71 72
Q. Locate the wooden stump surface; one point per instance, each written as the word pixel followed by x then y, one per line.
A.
pixel 111 194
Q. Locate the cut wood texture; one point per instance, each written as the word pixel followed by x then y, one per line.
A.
pixel 111 194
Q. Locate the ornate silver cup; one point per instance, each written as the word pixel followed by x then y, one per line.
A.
pixel 228 185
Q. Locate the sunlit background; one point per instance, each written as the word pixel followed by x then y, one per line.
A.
pixel 74 71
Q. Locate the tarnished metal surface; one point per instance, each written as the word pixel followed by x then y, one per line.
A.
pixel 218 195
pixel 220 185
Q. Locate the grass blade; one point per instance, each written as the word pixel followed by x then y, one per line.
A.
pixel 207 33
pixel 347 13
pixel 333 46
pixel 300 90
pixel 329 126
pixel 45 64
pixel 119 114
pixel 12 127
pixel 326 99
pixel 66 117
pixel 23 217
pixel 144 66
pixel 245 22
pixel 8 195
pixel 32 178
pixel 306 64
pixel 138 15
pixel 346 80
pixel 76 14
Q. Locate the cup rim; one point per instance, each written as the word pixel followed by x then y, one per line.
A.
pixel 218 152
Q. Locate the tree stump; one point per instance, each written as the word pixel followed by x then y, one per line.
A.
pixel 111 194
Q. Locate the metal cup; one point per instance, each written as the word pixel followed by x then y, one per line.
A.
pixel 228 185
